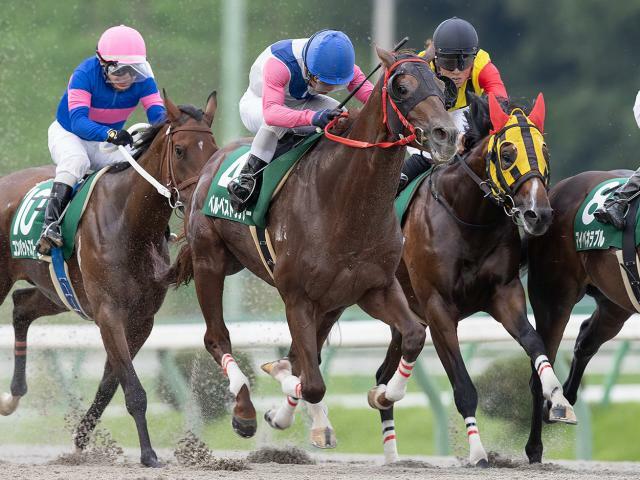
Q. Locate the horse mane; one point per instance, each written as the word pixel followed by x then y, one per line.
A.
pixel 478 120
pixel 150 133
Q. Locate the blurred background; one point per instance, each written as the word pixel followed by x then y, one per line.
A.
pixel 580 54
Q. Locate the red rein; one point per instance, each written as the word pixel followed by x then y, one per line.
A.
pixel 361 144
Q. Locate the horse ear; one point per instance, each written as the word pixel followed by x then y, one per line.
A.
pixel 538 112
pixel 498 118
pixel 212 106
pixel 387 57
pixel 173 112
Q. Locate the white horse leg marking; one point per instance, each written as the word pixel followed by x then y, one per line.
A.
pixel 322 434
pixel 476 450
pixel 389 441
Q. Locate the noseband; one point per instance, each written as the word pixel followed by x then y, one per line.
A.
pixel 425 89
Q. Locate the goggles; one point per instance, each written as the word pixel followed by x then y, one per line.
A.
pixel 453 62
pixel 138 72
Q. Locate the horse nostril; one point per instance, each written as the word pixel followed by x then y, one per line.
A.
pixel 530 215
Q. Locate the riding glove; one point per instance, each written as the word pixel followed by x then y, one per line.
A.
pixel 322 117
pixel 119 137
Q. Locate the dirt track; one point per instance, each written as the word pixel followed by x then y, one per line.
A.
pixel 50 463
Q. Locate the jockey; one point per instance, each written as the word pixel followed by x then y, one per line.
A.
pixel 102 92
pixel 456 55
pixel 615 208
pixel 288 84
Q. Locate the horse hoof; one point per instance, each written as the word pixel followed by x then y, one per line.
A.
pixel 562 414
pixel 8 403
pixel 268 417
pixel 376 398
pixel 151 461
pixel 482 463
pixel 323 437
pixel 273 368
pixel 245 427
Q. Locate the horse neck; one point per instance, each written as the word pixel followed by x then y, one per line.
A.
pixel 145 211
pixel 464 195
pixel 364 178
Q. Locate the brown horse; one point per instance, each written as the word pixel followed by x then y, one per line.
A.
pixel 462 253
pixel 336 241
pixel 121 233
pixel 559 276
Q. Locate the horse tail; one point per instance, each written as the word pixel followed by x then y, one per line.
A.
pixel 181 272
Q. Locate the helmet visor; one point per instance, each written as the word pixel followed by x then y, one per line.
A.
pixel 318 86
pixel 128 72
pixel 453 62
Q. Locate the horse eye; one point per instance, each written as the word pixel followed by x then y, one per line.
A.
pixel 179 150
pixel 508 154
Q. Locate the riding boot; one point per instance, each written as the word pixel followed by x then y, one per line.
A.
pixel 244 189
pixel 412 167
pixel 58 200
pixel 615 208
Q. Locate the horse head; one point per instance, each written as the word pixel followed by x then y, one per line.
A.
pixel 516 160
pixel 414 101
pixel 190 143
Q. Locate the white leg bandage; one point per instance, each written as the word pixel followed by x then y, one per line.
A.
pixel 389 441
pixel 476 450
pixel 236 378
pixel 285 415
pixel 397 386
pixel 291 386
pixel 550 383
pixel 319 414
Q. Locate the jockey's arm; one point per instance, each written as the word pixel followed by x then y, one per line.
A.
pixel 275 77
pixel 490 81
pixel 152 102
pixel 79 102
pixel 363 94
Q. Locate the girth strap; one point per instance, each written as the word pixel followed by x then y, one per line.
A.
pixel 629 264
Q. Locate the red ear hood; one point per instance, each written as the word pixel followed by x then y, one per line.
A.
pixel 498 118
pixel 538 112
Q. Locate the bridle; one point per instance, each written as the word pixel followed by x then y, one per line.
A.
pixel 390 97
pixel 172 184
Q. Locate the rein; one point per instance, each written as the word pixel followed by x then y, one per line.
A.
pixel 385 118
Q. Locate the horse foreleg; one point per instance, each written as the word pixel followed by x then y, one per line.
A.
pixel 209 274
pixel 552 305
pixel 383 375
pixel 443 327
pixel 509 308
pixel 390 305
pixel 28 304
pixel 604 324
pixel 112 321
pixel 109 385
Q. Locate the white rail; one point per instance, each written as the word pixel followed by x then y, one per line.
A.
pixel 351 334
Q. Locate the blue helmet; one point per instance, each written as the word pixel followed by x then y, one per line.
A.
pixel 329 56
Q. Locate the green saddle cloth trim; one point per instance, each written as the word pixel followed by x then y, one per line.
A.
pixel 589 233
pixel 218 204
pixel 26 225
pixel 403 200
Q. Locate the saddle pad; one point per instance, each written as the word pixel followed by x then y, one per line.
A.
pixel 217 203
pixel 589 233
pixel 26 225
pixel 403 200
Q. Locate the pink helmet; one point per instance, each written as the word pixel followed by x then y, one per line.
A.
pixel 122 44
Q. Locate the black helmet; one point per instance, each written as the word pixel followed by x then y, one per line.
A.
pixel 455 36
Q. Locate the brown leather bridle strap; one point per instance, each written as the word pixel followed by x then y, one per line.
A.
pixel 171 182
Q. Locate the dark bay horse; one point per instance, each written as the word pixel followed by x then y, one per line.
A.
pixel 559 276
pixel 335 237
pixel 120 235
pixel 462 252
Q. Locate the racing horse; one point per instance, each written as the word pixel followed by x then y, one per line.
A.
pixel 336 239
pixel 120 236
pixel 462 252
pixel 559 276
